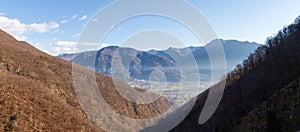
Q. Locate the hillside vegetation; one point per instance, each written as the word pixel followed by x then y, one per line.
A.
pixel 280 112
pixel 37 93
pixel 272 67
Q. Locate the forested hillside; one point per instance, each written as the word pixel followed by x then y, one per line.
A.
pixel 272 67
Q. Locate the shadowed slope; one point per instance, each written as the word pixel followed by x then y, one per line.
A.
pixel 272 67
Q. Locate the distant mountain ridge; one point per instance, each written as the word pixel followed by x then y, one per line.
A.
pixel 134 64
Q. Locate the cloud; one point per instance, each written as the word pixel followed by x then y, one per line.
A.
pixel 64 21
pixel 59 50
pixel 42 27
pixel 58 31
pixel 76 35
pixel 84 17
pixel 66 43
pixel 75 47
pixel 74 17
pixel 2 13
pixel 95 20
pixel 19 30
pixel 72 44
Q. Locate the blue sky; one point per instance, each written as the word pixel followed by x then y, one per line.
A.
pixel 54 26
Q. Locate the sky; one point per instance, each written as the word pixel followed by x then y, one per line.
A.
pixel 55 26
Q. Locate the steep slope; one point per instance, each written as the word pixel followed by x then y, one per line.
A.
pixel 264 73
pixel 280 112
pixel 34 95
pixel 37 94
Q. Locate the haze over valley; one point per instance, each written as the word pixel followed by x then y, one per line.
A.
pixel 150 66
pixel 171 72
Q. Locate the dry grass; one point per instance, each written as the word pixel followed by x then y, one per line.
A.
pixel 37 94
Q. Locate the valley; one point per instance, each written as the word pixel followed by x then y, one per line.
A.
pixel 149 66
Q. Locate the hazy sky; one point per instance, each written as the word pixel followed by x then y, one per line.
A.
pixel 54 26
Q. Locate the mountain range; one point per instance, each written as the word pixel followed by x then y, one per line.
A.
pixel 174 63
pixel 37 91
